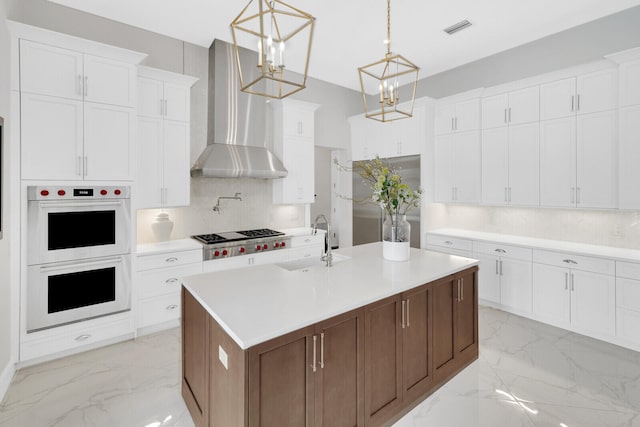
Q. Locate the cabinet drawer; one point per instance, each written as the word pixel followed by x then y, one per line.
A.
pixel 628 293
pixel 506 251
pixel 169 259
pixel 449 242
pixel 158 310
pixel 627 325
pixel 629 270
pixel 306 252
pixel 576 262
pixel 164 281
pixel 450 251
pixel 297 241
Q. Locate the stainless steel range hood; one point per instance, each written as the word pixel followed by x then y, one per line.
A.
pixel 237 132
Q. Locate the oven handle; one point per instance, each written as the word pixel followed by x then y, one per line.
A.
pixel 66 265
pixel 79 205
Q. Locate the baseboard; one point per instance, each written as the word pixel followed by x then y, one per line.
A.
pixel 6 377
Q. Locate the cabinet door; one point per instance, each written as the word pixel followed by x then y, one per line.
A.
pixel 596 160
pixel 51 138
pixel 524 165
pixel 630 83
pixel 281 381
pixel 593 302
pixel 109 82
pixel 494 111
pixel 177 102
pixel 445 294
pixel 149 159
pixel 390 145
pixel 195 356
pixel 515 284
pixel 176 163
pixel 339 378
pixel 150 97
pixel 107 141
pixel 49 70
pixel 467 167
pixel 524 106
pixel 298 186
pixel 558 162
pixel 444 118
pixel 466 318
pixel 383 360
pixel 359 149
pixel 410 134
pixel 495 166
pixel 551 294
pixel 558 99
pixel 468 115
pixel 597 91
pixel 417 376
pixel 298 122
pixel 444 172
pixel 374 135
pixel 629 157
pixel 488 278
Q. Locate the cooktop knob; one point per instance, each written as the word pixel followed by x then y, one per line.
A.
pixel 117 192
pixel 283 244
pixel 258 247
pixel 242 250
pixel 61 192
pixel 265 246
pixel 44 193
pixel 103 192
pixel 225 252
pixel 277 245
pixel 216 253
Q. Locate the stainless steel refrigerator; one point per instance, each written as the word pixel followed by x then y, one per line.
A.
pixel 368 216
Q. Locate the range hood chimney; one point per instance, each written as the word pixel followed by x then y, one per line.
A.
pixel 237 132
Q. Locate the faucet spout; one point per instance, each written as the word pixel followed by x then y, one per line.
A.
pixel 237 196
pixel 327 257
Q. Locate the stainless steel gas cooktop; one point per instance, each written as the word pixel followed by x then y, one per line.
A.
pixel 234 243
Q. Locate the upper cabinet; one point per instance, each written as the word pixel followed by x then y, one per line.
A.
pixel 587 93
pixel 293 139
pixel 462 116
pixel 513 108
pixel 630 83
pixel 457 167
pixel 163 138
pixel 77 109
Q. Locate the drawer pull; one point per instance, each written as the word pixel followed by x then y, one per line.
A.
pixel 448 242
pixel 172 307
pixel 171 281
pixel 171 260
pixel 81 338
pixel 569 261
pixel 501 251
pixel 307 240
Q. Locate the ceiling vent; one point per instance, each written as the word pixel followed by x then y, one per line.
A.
pixel 457 27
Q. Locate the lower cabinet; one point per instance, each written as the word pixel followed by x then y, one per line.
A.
pixel 366 367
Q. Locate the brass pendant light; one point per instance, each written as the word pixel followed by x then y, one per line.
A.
pixel 282 35
pixel 389 85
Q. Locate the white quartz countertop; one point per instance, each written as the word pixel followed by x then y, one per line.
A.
pixel 168 246
pixel 258 303
pixel 621 254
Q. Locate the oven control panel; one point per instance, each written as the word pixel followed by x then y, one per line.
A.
pixel 77 193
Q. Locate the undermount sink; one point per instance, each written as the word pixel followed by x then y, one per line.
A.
pixel 305 263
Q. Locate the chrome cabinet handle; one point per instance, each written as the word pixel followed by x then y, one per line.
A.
pixel 456 123
pixel 578 195
pixel 500 251
pixel 86 165
pixel 462 288
pixel 315 339
pixel 506 195
pixel 458 297
pixel 448 242
pixel 566 281
pixel 170 281
pixel 452 123
pixel 569 261
pixel 404 308
pixel 572 103
pixel 573 195
pixel 572 284
pixel 408 313
pixel 497 267
pixel 79 85
pixel 79 166
pixel 322 350
pixel 509 114
pixel 86 86
pixel 578 103
pixel 509 198
pixel 171 260
pixel 501 267
pixel 161 107
pixel 166 107
pixel 171 307
pixel 81 338
pixel 505 115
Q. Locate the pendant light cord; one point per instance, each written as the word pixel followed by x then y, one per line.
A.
pixel 388 27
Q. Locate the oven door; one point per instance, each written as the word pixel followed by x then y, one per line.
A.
pixel 72 230
pixel 69 292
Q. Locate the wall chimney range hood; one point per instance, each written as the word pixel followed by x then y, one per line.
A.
pixel 237 131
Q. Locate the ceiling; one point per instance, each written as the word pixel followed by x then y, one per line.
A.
pixel 350 33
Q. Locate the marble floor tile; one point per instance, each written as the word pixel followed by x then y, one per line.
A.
pixel 528 374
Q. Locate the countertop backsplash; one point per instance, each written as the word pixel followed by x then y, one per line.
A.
pixel 256 210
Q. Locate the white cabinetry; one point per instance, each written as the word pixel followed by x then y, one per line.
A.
pixel 629 157
pixel 163 138
pixel 449 245
pixel 307 246
pixel 457 167
pixel 158 282
pixel 294 145
pixel 630 83
pixel 628 301
pixel 575 290
pixel 76 116
pixel 457 117
pixel 513 108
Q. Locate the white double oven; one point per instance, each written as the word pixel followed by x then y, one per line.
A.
pixel 78 254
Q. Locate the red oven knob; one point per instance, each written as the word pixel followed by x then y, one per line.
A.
pixel 117 192
pixel 242 250
pixel 265 247
pixel 44 193
pixel 258 247
pixel 103 192
pixel 225 252
pixel 216 253
pixel 277 245
pixel 283 244
pixel 61 192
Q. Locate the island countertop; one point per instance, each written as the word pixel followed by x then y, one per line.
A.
pixel 256 304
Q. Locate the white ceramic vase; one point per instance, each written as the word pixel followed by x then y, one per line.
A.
pixel 162 227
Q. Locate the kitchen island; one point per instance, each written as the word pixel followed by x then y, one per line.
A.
pixel 359 343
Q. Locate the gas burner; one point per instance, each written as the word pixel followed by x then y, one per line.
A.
pixel 210 238
pixel 260 232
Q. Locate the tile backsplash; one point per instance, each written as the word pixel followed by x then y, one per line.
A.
pixel 610 228
pixel 256 209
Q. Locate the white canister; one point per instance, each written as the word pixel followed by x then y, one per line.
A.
pixel 162 227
